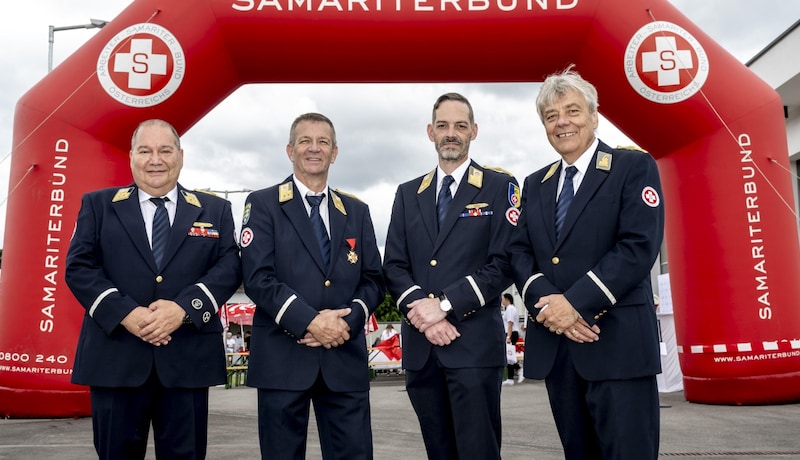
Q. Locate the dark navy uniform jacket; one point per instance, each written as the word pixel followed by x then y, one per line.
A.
pixel 609 241
pixel 285 277
pixel 466 260
pixel 110 270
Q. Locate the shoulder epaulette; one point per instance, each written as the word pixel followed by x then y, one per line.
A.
pixel 206 191
pixel 631 147
pixel 348 195
pixel 499 169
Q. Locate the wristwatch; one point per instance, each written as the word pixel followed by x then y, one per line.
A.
pixel 445 304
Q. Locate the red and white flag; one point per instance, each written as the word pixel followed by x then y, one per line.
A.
pixel 371 325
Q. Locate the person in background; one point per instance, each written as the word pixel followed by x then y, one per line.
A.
pixel 388 333
pixel 151 263
pixel 446 264
pixel 589 233
pixel 511 323
pixel 311 265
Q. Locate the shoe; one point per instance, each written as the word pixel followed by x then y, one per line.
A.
pixel 520 378
pixel 508 382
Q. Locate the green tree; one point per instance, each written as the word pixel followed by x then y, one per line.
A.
pixel 387 311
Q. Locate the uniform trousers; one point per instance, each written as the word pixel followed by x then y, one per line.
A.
pixel 343 422
pixel 121 420
pixel 458 409
pixel 606 419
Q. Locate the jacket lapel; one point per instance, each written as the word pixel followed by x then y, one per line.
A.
pixel 337 221
pixel 426 202
pixel 547 196
pixel 295 210
pixel 464 195
pixel 592 181
pixel 187 210
pixel 130 214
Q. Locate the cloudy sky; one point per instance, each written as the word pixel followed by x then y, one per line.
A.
pixel 380 128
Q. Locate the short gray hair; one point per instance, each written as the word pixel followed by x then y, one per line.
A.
pixel 556 86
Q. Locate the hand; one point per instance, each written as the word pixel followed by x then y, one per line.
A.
pixel 136 317
pixel 442 333
pixel 309 341
pixel 424 313
pixel 165 318
pixel 329 329
pixel 558 315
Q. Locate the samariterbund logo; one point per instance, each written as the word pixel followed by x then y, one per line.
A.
pixel 664 63
pixel 141 66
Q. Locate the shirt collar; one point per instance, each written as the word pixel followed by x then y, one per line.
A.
pixel 172 195
pixel 582 163
pixel 457 174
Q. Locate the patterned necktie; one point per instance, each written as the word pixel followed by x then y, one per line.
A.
pixel 443 202
pixel 160 230
pixel 565 198
pixel 319 228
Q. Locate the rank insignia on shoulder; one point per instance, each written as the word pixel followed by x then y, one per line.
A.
pixel 191 198
pixel 337 203
pixel 206 191
pixel 475 177
pixel 551 171
pixel 604 161
pixel 426 182
pixel 285 192
pixel 122 194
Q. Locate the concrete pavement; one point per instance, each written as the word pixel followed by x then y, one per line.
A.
pixel 688 430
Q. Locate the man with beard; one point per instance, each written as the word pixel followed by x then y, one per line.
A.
pixel 446 266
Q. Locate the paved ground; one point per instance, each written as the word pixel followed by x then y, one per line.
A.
pixel 688 430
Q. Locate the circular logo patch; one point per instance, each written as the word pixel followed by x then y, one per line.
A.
pixel 512 215
pixel 141 66
pixel 650 197
pixel 246 238
pixel 664 63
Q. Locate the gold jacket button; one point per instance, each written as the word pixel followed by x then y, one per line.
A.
pixel 434 262
pixel 327 283
pixel 159 279
pixel 430 296
pixel 555 260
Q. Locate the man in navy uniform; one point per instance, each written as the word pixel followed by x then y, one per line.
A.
pixel 312 267
pixel 152 264
pixel 589 233
pixel 446 266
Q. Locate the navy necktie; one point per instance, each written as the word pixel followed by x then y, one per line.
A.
pixel 444 199
pixel 319 228
pixel 160 230
pixel 565 198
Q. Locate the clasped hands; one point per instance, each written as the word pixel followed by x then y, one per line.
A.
pixel 328 329
pixel 558 315
pixel 155 323
pixel 427 316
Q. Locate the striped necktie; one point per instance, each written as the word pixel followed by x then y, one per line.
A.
pixel 319 228
pixel 160 230
pixel 565 198
pixel 444 199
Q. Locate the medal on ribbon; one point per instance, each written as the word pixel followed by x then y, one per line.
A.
pixel 352 257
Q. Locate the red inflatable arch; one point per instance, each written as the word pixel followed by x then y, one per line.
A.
pixel 732 239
